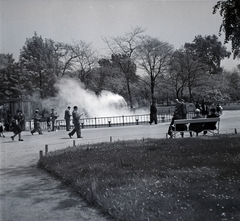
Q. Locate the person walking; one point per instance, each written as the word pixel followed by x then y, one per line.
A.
pixel 54 117
pixel 1 129
pixel 18 123
pixel 37 120
pixel 76 121
pixel 67 117
pixel 153 113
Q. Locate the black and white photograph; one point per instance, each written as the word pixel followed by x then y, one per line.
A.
pixel 119 110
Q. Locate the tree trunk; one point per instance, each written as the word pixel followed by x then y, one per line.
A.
pixel 129 94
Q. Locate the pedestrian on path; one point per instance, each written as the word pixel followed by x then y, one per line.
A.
pixel 54 117
pixel 67 117
pixel 153 113
pixel 18 124
pixel 76 121
pixel 37 120
pixel 1 129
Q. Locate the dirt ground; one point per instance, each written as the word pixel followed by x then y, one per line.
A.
pixel 28 193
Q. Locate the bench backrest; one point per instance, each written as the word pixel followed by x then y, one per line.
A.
pixel 198 120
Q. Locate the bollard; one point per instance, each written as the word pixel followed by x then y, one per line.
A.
pixel 110 139
pixel 40 154
pixel 46 149
pixel 74 143
pixel 235 131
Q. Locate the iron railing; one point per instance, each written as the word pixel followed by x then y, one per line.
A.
pixel 97 122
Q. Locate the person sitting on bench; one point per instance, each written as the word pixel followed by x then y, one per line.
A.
pixel 196 127
pixel 211 125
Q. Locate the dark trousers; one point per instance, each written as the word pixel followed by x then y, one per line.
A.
pixel 37 128
pixel 67 124
pixel 77 129
pixel 153 117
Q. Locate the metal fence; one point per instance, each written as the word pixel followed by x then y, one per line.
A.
pixel 114 121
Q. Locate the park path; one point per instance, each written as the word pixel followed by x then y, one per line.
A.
pixel 28 193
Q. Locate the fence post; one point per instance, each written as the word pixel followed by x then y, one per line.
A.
pixel 46 149
pixel 40 154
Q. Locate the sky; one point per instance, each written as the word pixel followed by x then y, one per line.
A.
pixel 176 22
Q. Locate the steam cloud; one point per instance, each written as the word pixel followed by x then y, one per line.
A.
pixel 72 93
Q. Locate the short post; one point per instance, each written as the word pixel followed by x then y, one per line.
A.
pixel 137 119
pixel 163 118
pixel 74 143
pixel 235 131
pixel 41 154
pixel 82 123
pixel 110 139
pixel 46 149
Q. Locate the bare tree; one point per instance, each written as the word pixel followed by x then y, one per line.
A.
pixel 153 58
pixel 123 50
pixel 84 60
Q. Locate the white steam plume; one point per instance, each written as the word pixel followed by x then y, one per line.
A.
pixel 72 93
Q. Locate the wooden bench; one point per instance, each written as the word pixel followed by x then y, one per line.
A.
pixel 198 120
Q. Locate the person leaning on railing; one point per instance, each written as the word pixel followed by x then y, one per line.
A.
pixel 180 112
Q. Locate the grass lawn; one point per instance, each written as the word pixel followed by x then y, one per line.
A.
pixel 155 179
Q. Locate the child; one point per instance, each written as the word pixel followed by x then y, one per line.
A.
pixel 1 129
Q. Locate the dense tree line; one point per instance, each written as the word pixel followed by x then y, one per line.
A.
pixel 141 68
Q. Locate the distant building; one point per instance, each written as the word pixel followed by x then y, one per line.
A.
pixel 9 107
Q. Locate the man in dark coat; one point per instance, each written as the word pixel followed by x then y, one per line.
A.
pixel 18 124
pixel 153 113
pixel 67 117
pixel 211 125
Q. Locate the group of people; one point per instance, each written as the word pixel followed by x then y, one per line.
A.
pixel 204 110
pixel 17 125
pixel 201 111
pixel 199 127
pixel 180 112
pixel 51 122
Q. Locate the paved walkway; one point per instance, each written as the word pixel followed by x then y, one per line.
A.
pixel 27 193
